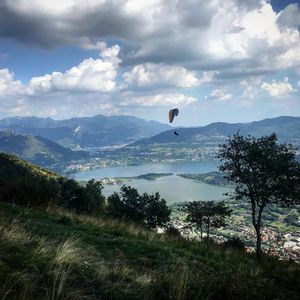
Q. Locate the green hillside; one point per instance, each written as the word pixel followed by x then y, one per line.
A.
pixel 62 255
pixel 11 167
pixel 37 149
pixel 49 252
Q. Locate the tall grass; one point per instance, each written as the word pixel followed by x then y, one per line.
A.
pixel 62 255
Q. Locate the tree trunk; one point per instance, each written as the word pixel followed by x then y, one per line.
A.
pixel 208 223
pixel 259 252
pixel 257 227
pixel 201 232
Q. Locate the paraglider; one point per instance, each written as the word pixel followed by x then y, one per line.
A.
pixel 172 113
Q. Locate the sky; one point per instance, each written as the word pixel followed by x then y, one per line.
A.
pixel 232 61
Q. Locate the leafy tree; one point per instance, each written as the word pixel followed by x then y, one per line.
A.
pixel 88 199
pixel 263 172
pixel 215 215
pixel 93 198
pixel 71 193
pixel 157 212
pixel 196 211
pixel 127 204
pixel 207 215
pixel 149 210
pixel 115 206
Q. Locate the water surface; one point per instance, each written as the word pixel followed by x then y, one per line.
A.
pixel 172 188
pixel 130 171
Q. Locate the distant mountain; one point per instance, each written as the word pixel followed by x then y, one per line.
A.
pixel 286 128
pixel 37 149
pixel 97 131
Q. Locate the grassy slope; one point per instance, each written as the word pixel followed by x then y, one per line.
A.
pixel 59 255
pixel 13 166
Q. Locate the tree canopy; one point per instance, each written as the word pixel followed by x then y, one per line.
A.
pixel 146 209
pixel 263 171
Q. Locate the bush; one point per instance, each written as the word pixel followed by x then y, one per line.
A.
pixel 234 243
pixel 172 231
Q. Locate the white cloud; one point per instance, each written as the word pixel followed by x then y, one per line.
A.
pixel 159 75
pixel 290 16
pixel 231 45
pixel 251 87
pixel 82 88
pixel 158 100
pixel 220 95
pixel 208 77
pixel 278 88
pixel 233 37
pixel 91 75
pixel 8 86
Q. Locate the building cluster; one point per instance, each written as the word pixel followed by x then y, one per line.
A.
pixel 275 243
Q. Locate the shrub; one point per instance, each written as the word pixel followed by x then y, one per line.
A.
pixel 234 243
pixel 172 231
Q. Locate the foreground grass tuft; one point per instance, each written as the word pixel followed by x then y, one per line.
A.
pixel 62 255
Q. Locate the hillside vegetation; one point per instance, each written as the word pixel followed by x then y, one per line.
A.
pixel 49 252
pixel 63 255
pixel 38 149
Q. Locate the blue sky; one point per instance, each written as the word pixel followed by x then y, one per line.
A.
pixel 234 60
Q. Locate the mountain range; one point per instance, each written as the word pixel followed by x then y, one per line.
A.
pixel 40 140
pixel 97 131
pixel 287 129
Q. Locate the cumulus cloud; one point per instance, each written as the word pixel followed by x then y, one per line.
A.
pixel 9 86
pixel 236 38
pixel 91 75
pixel 54 93
pixel 165 44
pixel 278 88
pixel 159 75
pixel 290 16
pixel 168 99
pixel 220 95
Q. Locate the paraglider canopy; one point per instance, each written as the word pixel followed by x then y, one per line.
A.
pixel 172 113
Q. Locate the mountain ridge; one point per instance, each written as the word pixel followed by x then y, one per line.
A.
pixel 37 149
pixel 96 131
pixel 286 127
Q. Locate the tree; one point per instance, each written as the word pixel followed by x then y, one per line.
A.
pixel 157 212
pixel 93 198
pixel 195 213
pixel 88 199
pixel 71 194
pixel 215 215
pixel 263 172
pixel 129 205
pixel 207 215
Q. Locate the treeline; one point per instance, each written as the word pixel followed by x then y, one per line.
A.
pixel 24 184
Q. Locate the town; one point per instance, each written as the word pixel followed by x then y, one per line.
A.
pixel 282 242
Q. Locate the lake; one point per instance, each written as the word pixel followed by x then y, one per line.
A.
pixel 172 188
